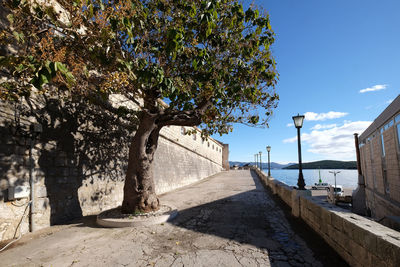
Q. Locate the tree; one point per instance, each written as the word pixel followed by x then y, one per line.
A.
pixel 208 60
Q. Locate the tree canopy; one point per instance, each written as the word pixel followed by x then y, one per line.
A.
pixel 210 61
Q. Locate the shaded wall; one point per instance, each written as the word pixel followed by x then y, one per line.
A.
pixel 80 161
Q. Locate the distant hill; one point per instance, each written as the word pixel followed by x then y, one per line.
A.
pixel 274 165
pixel 326 164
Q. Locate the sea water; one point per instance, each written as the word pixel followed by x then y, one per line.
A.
pixel 346 178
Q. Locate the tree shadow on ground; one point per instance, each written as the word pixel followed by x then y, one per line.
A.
pixel 258 218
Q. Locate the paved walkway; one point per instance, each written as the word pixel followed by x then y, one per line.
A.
pixel 225 220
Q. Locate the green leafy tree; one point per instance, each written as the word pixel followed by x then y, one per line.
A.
pixel 208 59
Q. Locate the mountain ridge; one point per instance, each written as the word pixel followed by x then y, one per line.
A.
pixel 325 164
pixel 274 165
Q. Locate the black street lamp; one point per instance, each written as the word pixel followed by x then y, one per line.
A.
pixel 256 160
pixel 260 161
pixel 298 122
pixel 269 161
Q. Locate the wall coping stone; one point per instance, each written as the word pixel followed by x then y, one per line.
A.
pixel 359 240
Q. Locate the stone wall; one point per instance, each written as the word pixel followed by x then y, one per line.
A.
pixel 358 240
pixel 80 161
pixel 183 159
pixel 380 164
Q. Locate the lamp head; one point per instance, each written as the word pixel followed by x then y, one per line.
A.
pixel 298 120
pixel 268 148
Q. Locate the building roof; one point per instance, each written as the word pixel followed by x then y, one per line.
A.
pixel 389 112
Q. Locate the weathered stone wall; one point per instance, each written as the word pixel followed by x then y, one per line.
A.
pixel 225 156
pixel 381 171
pixel 79 164
pixel 177 165
pixel 358 240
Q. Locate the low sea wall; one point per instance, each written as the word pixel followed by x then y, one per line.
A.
pixel 358 240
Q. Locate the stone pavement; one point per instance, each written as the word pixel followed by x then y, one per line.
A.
pixel 225 220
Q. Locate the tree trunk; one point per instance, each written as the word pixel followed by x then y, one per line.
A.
pixel 139 191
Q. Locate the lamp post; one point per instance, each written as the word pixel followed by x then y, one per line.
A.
pixel 269 161
pixel 334 174
pixel 298 122
pixel 256 160
pixel 260 161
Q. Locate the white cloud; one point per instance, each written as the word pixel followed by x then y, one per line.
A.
pixel 377 87
pixel 290 125
pixel 312 116
pixel 336 142
pixel 290 140
pixel 323 126
pixel 389 101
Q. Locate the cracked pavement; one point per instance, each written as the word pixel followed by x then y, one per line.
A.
pixel 225 220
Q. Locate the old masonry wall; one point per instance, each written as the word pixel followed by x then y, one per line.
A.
pixel 79 169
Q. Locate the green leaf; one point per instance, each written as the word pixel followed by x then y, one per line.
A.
pixel 194 64
pixel 10 18
pixel 44 78
pixel 19 37
pixel 192 11
pixel 60 67
pixel 91 13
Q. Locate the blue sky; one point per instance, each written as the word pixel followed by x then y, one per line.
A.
pixel 339 64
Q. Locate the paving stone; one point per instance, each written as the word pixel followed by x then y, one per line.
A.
pixel 227 220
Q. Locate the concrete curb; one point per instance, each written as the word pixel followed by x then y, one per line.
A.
pixel 120 223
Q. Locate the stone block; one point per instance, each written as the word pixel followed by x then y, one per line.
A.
pixel 369 241
pixel 41 191
pixel 348 258
pixel 359 253
pixel 373 260
pixel 295 196
pixel 358 234
pixel 337 221
pixel 325 218
pixel 334 234
pixel 60 161
pixel 348 228
pixel 41 205
pixel 388 251
pixel 303 210
pixel 62 180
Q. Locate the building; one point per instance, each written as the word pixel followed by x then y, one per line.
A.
pixel 380 165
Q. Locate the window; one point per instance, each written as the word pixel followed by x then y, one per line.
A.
pixel 194 136
pixel 213 146
pixel 372 162
pixel 397 123
pixel 388 125
pixel 397 118
pixel 383 143
pixel 183 130
pixel 398 135
pixel 208 144
pixel 385 182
